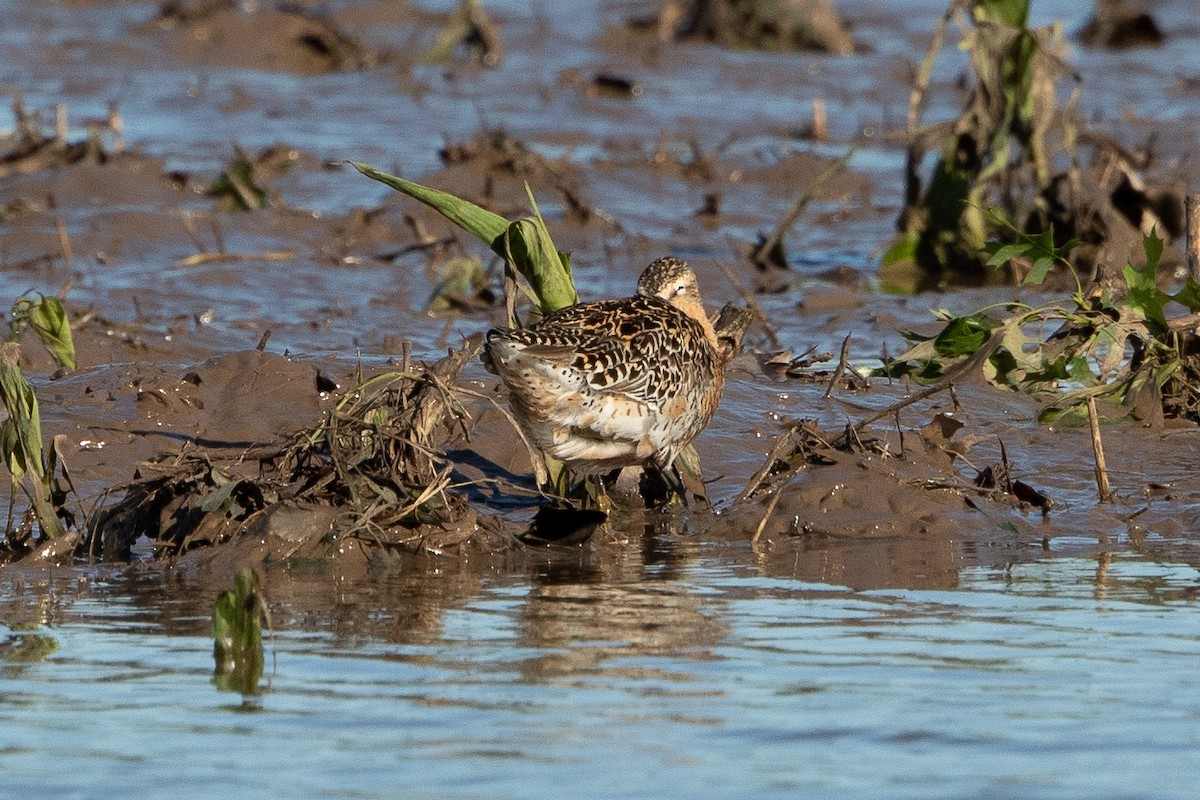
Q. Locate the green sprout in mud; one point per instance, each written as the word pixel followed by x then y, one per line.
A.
pixel 47 318
pixel 527 249
pixel 21 443
pixel 1114 344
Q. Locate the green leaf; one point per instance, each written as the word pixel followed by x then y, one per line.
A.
pixel 1002 254
pixel 1153 247
pixel 1189 295
pixel 1144 298
pixel 49 321
pixel 1079 371
pixel 221 499
pixel 963 335
pixel 1010 12
pixel 21 439
pixel 1073 415
pixel 529 244
pixel 1001 369
pixel 1038 247
pixel 25 438
pixel 903 249
pixel 1041 268
pixel 485 225
pixel 525 244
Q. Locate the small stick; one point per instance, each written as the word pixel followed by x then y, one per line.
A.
pixel 820 123
pixel 1098 451
pixel 217 235
pixel 262 342
pixel 190 226
pixel 197 259
pixel 64 242
pixel 762 523
pixel 921 84
pixel 946 383
pixel 797 209
pixel 1191 205
pixel 840 370
pixel 60 122
pixel 752 304
pixel 117 126
pixel 776 454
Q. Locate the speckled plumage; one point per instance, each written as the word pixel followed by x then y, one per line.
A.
pixel 615 383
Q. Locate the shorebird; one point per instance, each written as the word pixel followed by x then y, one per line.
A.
pixel 616 383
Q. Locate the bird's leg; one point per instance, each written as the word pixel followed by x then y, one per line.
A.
pixel 595 495
pixel 675 482
pixel 669 483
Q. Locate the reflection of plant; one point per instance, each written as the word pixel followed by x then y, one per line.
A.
pixel 237 635
pixel 21 443
pixel 998 140
pixel 1115 344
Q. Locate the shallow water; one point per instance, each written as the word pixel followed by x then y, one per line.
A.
pixel 686 665
pixel 696 675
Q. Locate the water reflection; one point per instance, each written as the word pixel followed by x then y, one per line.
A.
pixel 702 666
pixel 581 616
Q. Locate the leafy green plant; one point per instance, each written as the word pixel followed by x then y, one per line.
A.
pixel 47 317
pixel 1116 343
pixel 21 444
pixel 995 147
pixel 237 635
pixel 524 244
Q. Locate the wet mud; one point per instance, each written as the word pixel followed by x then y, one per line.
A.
pixel 229 278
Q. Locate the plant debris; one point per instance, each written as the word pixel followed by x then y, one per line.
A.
pixel 374 461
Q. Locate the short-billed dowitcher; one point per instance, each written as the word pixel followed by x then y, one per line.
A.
pixel 616 383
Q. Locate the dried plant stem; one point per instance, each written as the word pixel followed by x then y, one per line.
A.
pixel 752 304
pixel 820 121
pixel 64 243
pixel 797 209
pixel 840 370
pixel 762 523
pixel 946 383
pixel 783 446
pixel 1191 205
pixel 921 83
pixel 1098 452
